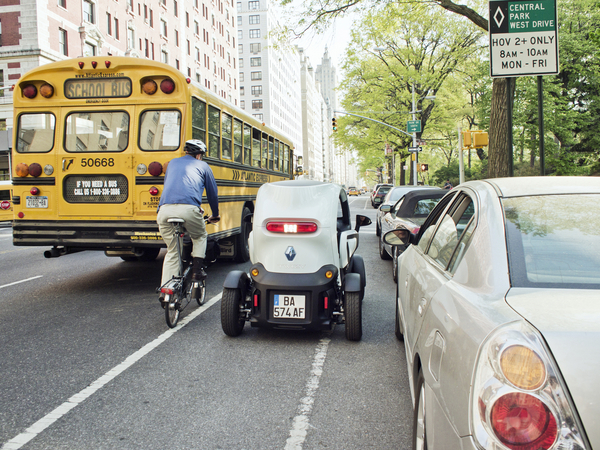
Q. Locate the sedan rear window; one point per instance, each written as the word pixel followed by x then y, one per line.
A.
pixel 553 241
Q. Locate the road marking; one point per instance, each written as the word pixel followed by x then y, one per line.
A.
pixel 300 424
pixel 35 429
pixel 22 281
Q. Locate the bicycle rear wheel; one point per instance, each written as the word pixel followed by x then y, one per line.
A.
pixel 200 292
pixel 172 306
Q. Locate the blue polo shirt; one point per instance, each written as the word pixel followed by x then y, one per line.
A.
pixel 185 181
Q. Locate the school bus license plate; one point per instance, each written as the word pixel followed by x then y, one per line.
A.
pixel 289 306
pixel 36 202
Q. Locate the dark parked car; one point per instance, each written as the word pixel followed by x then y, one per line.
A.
pixel 393 195
pixel 379 193
pixel 410 212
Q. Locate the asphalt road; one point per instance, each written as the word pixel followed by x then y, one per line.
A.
pixel 87 362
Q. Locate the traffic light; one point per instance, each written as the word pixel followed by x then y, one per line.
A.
pixel 334 124
pixel 480 139
pixel 424 167
pixel 466 138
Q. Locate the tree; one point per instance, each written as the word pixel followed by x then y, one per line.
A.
pixel 317 14
pixel 399 49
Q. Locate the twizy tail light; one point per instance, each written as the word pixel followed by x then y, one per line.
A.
pixel 255 300
pixel 326 303
pixel 292 227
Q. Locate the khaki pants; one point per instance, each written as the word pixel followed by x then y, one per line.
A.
pixel 194 224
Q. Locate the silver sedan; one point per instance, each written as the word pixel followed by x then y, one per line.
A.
pixel 498 304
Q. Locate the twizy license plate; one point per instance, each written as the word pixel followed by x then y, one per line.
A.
pixel 289 306
pixel 36 202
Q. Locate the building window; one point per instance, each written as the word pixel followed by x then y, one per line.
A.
pixel 187 19
pixel 255 48
pixel 175 13
pixel 164 57
pixel 240 35
pixel 147 48
pixel 177 64
pixel 239 6
pixel 253 5
pixel 89 49
pixel 241 48
pixel 254 20
pixel 116 29
pixel 256 90
pixel 130 38
pixel 62 3
pixel 258 117
pixel 256 75
pixel 241 77
pixel 151 19
pixel 62 42
pixel 241 63
pixel 257 104
pixel 255 62
pixel 196 28
pixel 88 11
pixel 177 38
pixel 255 33
pixel 239 21
pixel 243 104
pixel 108 24
pixel 242 90
pixel 163 27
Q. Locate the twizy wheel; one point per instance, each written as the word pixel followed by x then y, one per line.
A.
pixel 419 420
pixel 353 315
pixel 231 321
pixel 172 310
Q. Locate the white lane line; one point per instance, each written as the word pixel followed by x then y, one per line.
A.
pixel 300 424
pixel 35 429
pixel 22 281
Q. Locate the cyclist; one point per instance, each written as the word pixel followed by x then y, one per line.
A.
pixel 185 181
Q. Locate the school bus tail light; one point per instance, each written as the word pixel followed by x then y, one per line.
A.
pixel 46 90
pixel 35 170
pixel 94 64
pixel 107 64
pixel 153 190
pixel 149 87
pixel 22 170
pixel 80 64
pixel 167 86
pixel 155 168
pixel 29 91
pixel 34 191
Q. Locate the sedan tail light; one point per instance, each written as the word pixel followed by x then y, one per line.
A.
pixel 519 398
pixel 292 227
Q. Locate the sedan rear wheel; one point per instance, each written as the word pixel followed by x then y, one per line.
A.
pixel 419 420
pixel 383 254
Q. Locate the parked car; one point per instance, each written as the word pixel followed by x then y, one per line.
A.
pixel 352 191
pixel 305 273
pixel 379 193
pixel 392 196
pixel 409 212
pixel 498 306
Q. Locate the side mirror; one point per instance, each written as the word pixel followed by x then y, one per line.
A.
pixel 397 237
pixel 385 208
pixel 361 221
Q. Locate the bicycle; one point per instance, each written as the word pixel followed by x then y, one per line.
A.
pixel 180 290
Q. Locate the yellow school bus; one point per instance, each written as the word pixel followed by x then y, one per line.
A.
pixel 93 138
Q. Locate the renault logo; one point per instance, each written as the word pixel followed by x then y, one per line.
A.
pixel 290 253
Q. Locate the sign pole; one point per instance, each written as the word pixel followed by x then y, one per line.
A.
pixel 541 125
pixel 509 134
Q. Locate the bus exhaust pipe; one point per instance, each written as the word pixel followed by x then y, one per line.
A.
pixel 55 252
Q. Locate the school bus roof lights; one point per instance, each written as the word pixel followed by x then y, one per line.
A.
pixel 46 90
pixel 167 86
pixel 29 91
pixel 149 87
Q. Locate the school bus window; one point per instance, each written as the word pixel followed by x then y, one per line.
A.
pixel 276 156
pixel 105 131
pixel 286 159
pixel 226 129
pixel 265 152
pixel 247 145
pixel 160 130
pixel 271 153
pixel 238 155
pixel 35 133
pixel 4 194
pixel 214 132
pixel 198 119
pixel 255 147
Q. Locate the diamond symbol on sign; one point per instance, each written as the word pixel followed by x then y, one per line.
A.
pixel 290 253
pixel 499 17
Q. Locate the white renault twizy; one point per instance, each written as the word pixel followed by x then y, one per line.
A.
pixel 304 272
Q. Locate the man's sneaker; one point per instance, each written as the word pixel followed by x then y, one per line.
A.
pixel 198 269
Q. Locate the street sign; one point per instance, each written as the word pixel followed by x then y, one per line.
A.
pixel 523 38
pixel 414 149
pixel 414 126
